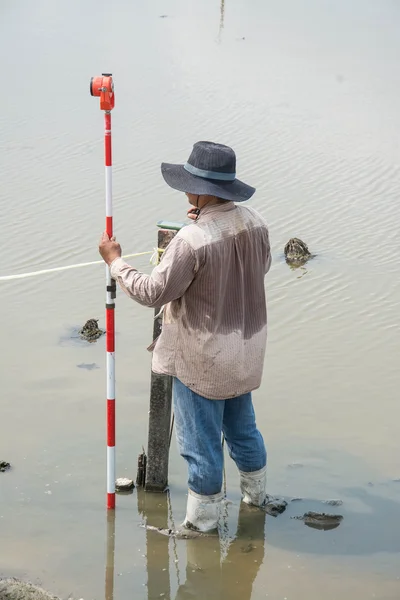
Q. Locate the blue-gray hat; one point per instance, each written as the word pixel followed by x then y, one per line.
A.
pixel 210 170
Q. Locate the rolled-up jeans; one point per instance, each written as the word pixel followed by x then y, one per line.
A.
pixel 200 423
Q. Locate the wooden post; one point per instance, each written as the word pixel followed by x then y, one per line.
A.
pixel 156 479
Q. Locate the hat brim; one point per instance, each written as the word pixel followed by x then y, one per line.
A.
pixel 183 181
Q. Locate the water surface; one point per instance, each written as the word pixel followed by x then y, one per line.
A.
pixel 307 94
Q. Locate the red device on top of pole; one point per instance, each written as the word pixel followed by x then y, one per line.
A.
pixel 103 87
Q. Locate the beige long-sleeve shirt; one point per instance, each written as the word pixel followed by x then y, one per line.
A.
pixel 211 284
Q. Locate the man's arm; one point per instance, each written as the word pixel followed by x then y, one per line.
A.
pixel 167 282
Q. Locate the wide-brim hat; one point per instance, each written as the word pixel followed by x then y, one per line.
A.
pixel 210 170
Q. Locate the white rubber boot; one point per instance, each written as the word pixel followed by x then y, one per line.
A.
pixel 254 487
pixel 202 512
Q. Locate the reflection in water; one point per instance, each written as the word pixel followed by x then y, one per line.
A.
pixel 209 575
pixel 219 567
pixel 109 584
pixel 221 21
pixel 216 567
pixel 154 510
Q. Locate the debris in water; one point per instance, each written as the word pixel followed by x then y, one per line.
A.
pixel 90 331
pixel 141 472
pixel 4 466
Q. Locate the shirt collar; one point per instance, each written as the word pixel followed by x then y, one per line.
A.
pixel 217 208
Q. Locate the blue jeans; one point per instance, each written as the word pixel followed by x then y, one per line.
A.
pixel 199 426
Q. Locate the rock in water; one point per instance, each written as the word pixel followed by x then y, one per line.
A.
pixel 90 331
pixel 13 589
pixel 296 252
pixel 4 466
pixel 123 484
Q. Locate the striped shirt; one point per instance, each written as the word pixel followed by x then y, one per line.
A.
pixel 211 284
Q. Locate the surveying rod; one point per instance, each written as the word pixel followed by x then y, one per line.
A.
pixel 103 87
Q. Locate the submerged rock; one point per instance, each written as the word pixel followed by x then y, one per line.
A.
pixel 4 466
pixel 320 520
pixel 297 252
pixel 90 331
pixel 13 589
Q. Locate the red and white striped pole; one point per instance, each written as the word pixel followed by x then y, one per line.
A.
pixel 103 87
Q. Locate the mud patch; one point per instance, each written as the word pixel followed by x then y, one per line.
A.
pixel 14 589
pixel 321 521
pixel 334 502
pixel 181 533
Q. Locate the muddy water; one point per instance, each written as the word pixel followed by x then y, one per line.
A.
pixel 307 93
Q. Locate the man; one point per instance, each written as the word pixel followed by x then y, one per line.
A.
pixel 211 284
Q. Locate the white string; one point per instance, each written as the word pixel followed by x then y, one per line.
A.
pixel 154 258
pixel 154 253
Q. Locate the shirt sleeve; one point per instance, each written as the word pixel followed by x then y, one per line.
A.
pixel 167 282
pixel 267 257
